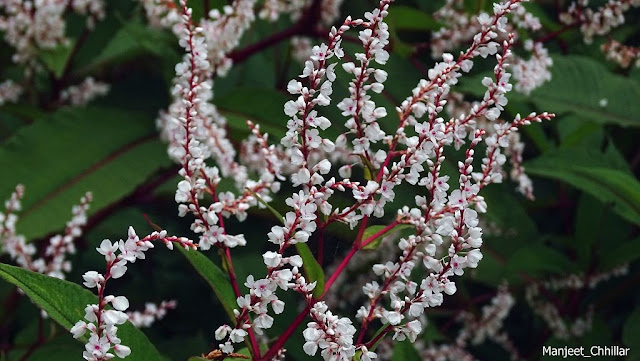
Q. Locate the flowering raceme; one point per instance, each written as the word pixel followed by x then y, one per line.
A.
pixel 447 238
pixel 360 196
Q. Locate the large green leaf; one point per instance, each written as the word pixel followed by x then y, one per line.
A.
pixel 135 39
pixel 62 156
pixel 215 277
pixel 65 302
pixel 579 84
pixel 538 259
pixel 592 175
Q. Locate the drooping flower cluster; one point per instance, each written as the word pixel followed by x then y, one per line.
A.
pixel 102 323
pixel 475 330
pixel 561 327
pixel 597 22
pixel 53 262
pixel 151 313
pixel 489 324
pixel 85 92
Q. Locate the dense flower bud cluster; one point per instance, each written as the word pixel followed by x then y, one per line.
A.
pixel 53 262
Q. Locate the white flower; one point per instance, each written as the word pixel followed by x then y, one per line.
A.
pixel 310 348
pixel 237 335
pixel 120 303
pixel 367 355
pixel 92 279
pixel 272 259
pixel 122 351
pixel 79 329
pixel 107 249
pixel 222 332
pixel 119 269
pixel 393 317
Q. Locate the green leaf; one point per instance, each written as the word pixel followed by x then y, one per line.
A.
pixel 312 269
pixel 65 302
pixel 592 173
pixel 588 226
pixel 539 259
pixel 266 205
pixel 215 277
pixel 64 155
pixel 135 39
pixel 262 106
pixel 56 59
pixel 407 18
pixel 578 84
pixel 620 254
pixel 405 351
pixel 371 230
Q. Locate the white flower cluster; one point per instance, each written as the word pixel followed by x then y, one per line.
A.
pixel 489 324
pixel 362 113
pixel 102 323
pixel 195 135
pixel 623 55
pixel 33 26
pixel 223 31
pixel 597 22
pixel 447 237
pixel 53 262
pixel 562 329
pixel 151 313
pixel 549 311
pixel 578 281
pixel 461 27
pixel 476 330
pixel 272 9
pixel 29 25
pixel 9 92
pixel 84 93
pixel 332 334
pixel 532 73
pixel 161 13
